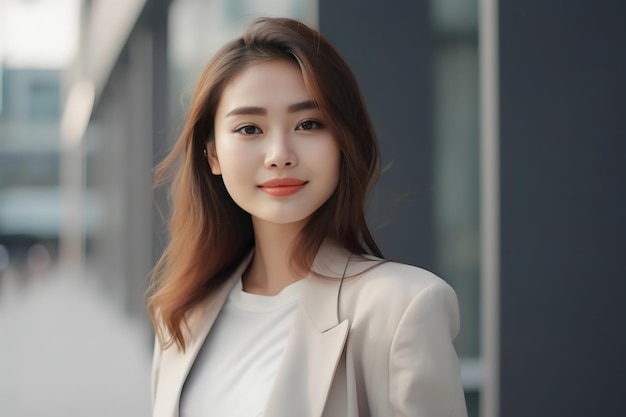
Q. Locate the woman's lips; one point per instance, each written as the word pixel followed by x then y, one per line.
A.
pixel 282 187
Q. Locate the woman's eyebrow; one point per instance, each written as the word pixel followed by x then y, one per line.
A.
pixel 261 111
pixel 247 111
pixel 304 105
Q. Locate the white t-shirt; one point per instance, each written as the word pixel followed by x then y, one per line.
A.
pixel 234 372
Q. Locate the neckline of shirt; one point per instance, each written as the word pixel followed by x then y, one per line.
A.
pixel 265 303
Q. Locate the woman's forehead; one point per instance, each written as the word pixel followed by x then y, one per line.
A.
pixel 265 84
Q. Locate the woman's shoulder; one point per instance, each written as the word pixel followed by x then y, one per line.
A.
pixel 388 293
pixel 394 286
pixel 391 277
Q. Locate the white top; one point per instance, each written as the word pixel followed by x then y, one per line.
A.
pixel 235 369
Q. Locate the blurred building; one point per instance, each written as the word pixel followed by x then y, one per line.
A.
pixel 35 43
pixel 504 159
pixel 30 200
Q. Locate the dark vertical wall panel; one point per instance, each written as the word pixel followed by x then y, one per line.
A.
pixel 388 45
pixel 157 15
pixel 563 165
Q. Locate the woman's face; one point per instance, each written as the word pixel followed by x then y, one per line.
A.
pixel 277 157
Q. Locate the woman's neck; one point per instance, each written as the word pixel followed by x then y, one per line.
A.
pixel 270 271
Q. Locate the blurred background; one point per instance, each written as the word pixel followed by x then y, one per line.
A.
pixel 502 132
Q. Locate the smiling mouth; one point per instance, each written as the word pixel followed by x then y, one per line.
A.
pixel 282 187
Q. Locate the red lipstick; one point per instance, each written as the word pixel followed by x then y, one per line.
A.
pixel 282 187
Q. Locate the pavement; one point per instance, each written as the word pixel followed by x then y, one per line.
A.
pixel 67 349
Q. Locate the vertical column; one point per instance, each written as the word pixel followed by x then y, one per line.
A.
pixel 161 137
pixel 490 208
pixel 138 184
pixel 147 48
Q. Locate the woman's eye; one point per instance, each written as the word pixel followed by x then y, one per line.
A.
pixel 249 130
pixel 309 125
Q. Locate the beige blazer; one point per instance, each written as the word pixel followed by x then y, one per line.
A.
pixel 377 343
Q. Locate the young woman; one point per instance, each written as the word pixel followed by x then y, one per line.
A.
pixel 272 299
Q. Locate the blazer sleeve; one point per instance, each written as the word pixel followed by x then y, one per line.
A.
pixel 424 379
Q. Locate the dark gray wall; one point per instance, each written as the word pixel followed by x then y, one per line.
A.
pixel 563 188
pixel 389 49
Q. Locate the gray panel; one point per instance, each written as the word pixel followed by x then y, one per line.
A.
pixel 389 48
pixel 563 164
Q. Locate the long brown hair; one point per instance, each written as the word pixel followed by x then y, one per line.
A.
pixel 209 233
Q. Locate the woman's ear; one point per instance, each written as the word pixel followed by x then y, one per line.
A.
pixel 211 155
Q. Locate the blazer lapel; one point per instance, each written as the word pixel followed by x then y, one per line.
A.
pixel 314 347
pixel 199 322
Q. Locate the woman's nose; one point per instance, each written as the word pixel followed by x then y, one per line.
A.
pixel 280 152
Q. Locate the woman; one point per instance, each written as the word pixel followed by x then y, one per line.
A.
pixel 272 298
